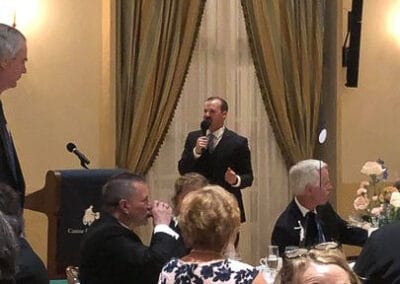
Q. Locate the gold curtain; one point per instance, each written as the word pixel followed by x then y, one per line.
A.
pixel 155 43
pixel 286 42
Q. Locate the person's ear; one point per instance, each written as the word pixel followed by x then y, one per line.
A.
pixel 308 189
pixel 123 205
pixel 3 64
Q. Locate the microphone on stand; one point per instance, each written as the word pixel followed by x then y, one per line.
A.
pixel 71 147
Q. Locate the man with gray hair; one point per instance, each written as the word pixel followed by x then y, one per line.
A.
pixel 111 252
pixel 310 219
pixel 13 55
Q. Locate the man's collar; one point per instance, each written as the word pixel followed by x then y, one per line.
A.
pixel 123 225
pixel 217 133
pixel 303 209
pixel 175 220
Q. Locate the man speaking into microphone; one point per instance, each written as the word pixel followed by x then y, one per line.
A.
pixel 217 153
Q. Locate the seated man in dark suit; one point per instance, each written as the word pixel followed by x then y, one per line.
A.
pixel 29 267
pixel 379 261
pixel 309 219
pixel 111 252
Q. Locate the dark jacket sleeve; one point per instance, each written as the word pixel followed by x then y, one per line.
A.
pixel 379 260
pixel 243 164
pixel 342 231
pixel 30 268
pixel 282 238
pixel 368 262
pixel 147 260
pixel 187 162
pixel 286 231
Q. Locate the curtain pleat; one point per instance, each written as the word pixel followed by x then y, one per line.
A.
pixel 286 41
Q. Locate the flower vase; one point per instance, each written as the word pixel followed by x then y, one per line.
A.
pixel 375 221
pixel 384 217
pixel 374 181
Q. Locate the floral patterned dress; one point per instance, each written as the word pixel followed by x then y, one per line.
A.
pixel 225 271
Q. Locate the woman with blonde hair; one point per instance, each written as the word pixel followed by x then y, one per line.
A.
pixel 209 219
pixel 183 185
pixel 325 265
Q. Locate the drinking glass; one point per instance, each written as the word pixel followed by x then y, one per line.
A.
pixel 273 257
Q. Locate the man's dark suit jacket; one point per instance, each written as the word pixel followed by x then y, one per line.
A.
pixel 8 174
pixel 30 268
pixel 334 228
pixel 111 253
pixel 379 260
pixel 232 151
pixel 181 249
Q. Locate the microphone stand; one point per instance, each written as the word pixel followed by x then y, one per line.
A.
pixel 83 164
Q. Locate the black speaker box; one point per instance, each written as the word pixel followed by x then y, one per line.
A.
pixel 351 54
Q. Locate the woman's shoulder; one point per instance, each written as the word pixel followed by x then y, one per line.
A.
pixel 241 266
pixel 223 271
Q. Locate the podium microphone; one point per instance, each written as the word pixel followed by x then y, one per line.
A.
pixel 71 147
pixel 204 125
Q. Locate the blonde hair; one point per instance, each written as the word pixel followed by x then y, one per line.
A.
pixel 186 183
pixel 209 218
pixel 293 268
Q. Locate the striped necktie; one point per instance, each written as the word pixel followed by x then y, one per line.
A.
pixel 313 230
pixel 211 142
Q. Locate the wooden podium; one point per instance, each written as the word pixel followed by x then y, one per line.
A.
pixel 66 196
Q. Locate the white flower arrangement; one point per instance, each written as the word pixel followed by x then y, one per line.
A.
pixel 377 203
pixel 372 168
pixel 395 199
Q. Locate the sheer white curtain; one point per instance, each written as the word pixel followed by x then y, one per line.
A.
pixel 222 66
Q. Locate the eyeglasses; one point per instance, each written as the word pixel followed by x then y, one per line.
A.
pixel 327 246
pixel 299 252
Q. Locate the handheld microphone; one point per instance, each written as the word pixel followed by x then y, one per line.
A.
pixel 204 125
pixel 71 147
